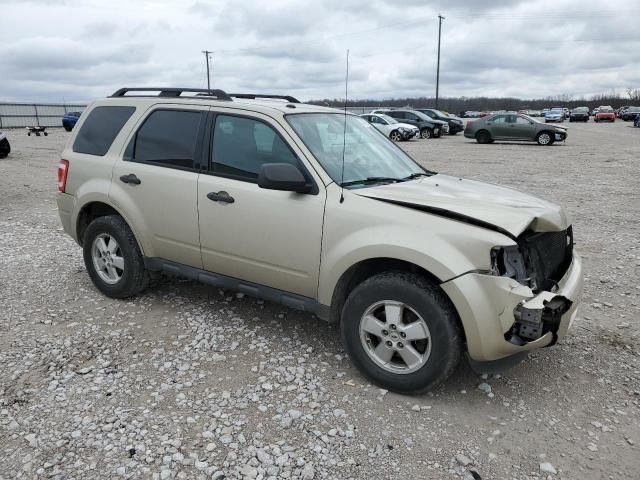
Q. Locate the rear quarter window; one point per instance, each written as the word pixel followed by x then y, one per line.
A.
pixel 100 129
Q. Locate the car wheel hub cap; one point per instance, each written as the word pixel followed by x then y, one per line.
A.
pixel 107 258
pixel 395 337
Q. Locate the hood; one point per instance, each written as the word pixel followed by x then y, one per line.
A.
pixel 491 206
pixel 405 125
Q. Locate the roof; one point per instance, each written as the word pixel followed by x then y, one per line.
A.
pixel 266 103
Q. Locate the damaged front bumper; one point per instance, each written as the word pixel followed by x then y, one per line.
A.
pixel 500 316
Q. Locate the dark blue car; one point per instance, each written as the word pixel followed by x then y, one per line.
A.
pixel 69 120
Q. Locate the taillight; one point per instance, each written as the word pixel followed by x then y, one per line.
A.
pixel 63 171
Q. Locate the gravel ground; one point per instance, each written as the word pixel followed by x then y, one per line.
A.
pixel 187 381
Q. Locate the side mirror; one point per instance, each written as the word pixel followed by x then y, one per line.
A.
pixel 282 176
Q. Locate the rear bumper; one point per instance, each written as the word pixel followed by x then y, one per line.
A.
pixel 455 128
pixel 66 204
pixel 487 307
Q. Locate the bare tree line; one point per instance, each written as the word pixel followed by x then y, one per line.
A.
pixel 461 104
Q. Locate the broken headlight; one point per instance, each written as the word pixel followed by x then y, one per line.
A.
pixel 510 262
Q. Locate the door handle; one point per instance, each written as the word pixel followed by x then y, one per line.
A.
pixel 222 196
pixel 131 178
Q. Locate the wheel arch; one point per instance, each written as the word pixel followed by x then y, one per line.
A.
pixel 364 269
pixel 94 209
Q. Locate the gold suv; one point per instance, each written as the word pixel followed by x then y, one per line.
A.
pixel 314 208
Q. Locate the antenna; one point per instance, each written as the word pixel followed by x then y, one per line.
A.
pixel 344 131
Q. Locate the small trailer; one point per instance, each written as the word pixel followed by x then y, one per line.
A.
pixel 37 131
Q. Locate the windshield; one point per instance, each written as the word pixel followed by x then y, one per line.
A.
pixel 606 109
pixel 388 118
pixel 369 157
pixel 531 119
pixel 581 109
pixel 633 109
pixel 439 113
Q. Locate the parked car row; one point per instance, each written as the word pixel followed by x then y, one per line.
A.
pixel 404 124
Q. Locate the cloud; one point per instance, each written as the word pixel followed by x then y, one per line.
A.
pixel 534 48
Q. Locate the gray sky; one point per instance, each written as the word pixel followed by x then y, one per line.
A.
pixel 82 49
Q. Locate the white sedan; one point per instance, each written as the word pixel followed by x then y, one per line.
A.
pixel 391 127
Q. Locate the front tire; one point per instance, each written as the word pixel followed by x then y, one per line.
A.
pixel 395 136
pixel 113 259
pixel 545 138
pixel 402 332
pixel 426 133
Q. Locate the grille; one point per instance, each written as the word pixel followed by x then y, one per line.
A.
pixel 549 256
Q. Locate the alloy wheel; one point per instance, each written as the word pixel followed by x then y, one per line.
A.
pixel 544 139
pixel 395 337
pixel 107 258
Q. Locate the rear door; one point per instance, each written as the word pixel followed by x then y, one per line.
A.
pixel 155 182
pixel 267 237
pixel 499 126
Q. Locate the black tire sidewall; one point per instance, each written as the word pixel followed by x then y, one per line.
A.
pixel 134 278
pixel 483 137
pixel 434 308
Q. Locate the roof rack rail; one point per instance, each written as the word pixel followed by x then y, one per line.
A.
pixel 173 92
pixel 253 96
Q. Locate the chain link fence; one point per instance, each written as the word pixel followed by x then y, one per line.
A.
pixel 20 115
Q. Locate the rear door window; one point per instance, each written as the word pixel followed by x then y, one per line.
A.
pixel 168 138
pixel 100 129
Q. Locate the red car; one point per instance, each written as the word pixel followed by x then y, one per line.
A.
pixel 605 114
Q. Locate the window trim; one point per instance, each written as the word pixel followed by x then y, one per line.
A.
pixel 207 152
pixel 197 152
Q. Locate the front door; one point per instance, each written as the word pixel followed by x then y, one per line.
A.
pixel 267 237
pixel 523 128
pixel 155 183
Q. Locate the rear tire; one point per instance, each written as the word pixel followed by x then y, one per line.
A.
pixel 116 269
pixel 67 128
pixel 483 137
pixel 416 318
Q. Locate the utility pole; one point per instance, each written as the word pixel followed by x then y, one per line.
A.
pixel 440 19
pixel 207 53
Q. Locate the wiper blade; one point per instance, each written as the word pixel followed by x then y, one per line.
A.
pixel 418 175
pixel 371 180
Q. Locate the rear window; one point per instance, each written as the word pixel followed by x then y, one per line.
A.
pixel 100 129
